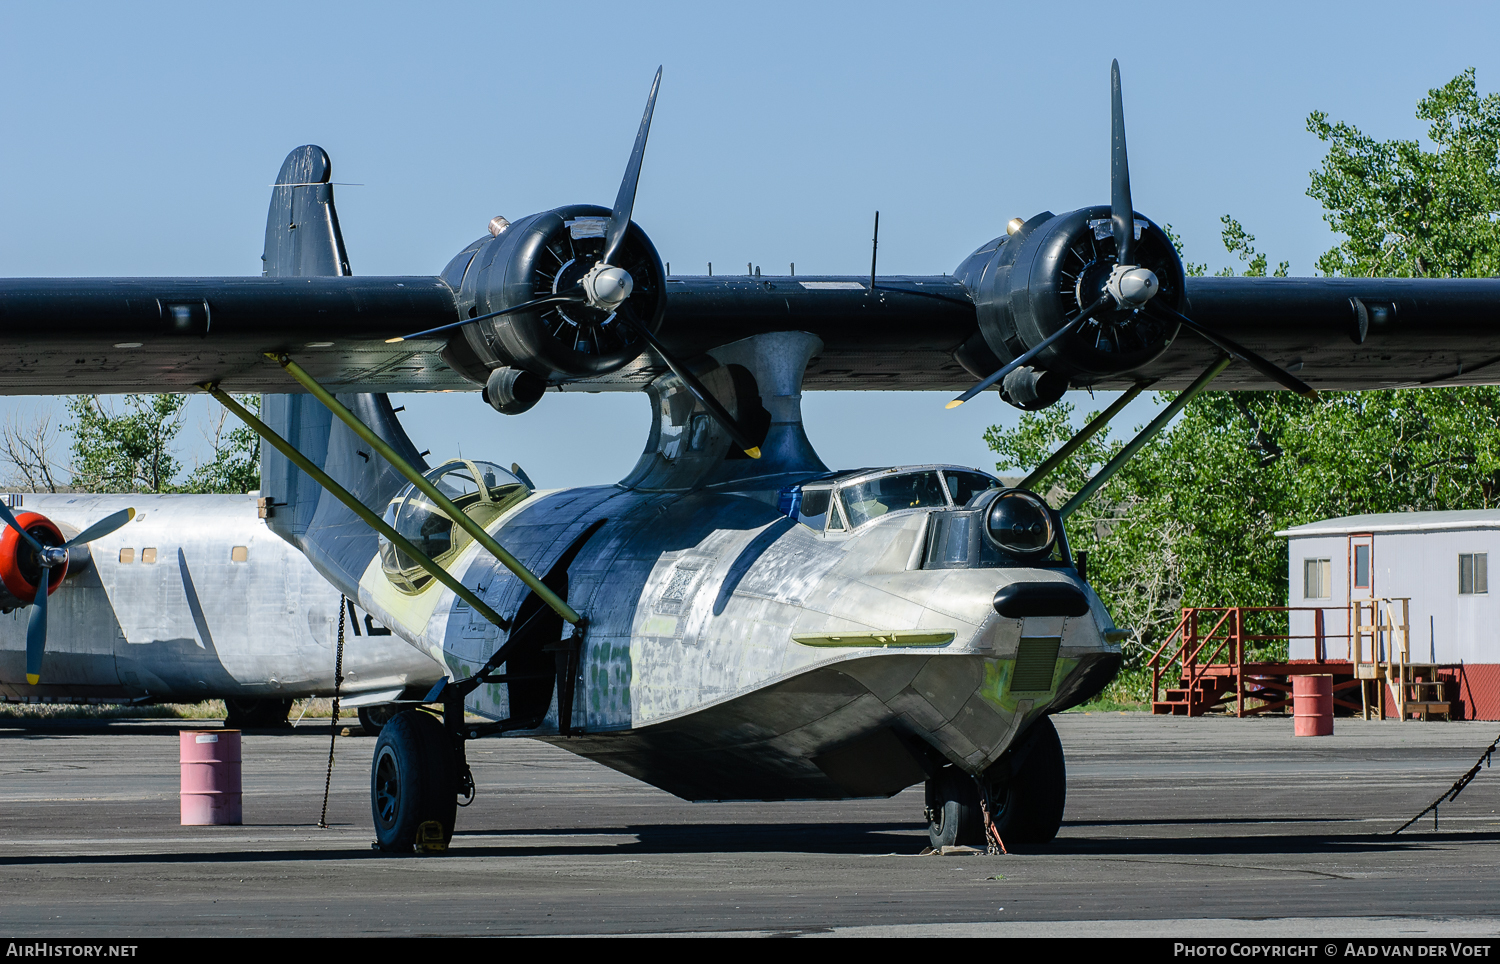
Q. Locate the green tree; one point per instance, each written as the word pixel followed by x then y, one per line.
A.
pixel 1191 520
pixel 1406 211
pixel 133 449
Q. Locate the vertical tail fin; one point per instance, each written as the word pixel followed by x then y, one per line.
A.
pixel 303 240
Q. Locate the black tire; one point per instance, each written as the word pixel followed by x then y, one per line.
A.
pixel 256 714
pixel 413 779
pixel 373 718
pixel 953 816
pixel 1029 805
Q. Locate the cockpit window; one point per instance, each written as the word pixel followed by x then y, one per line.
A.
pixel 480 490
pixel 812 510
pixel 963 486
pixel 871 499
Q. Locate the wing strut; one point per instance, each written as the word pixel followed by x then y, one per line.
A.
pixel 1082 435
pixel 1146 434
pixel 357 507
pixel 461 518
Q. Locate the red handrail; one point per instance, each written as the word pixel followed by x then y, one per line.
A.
pixel 1191 667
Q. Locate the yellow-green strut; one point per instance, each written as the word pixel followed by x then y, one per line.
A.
pixel 453 512
pixel 359 508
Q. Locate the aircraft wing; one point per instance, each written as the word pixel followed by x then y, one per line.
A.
pixel 101 335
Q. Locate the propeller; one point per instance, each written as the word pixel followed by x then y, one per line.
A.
pixel 606 287
pixel 1131 286
pixel 49 558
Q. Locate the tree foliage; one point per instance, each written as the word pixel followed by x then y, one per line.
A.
pixel 1409 212
pixel 132 449
pixel 1190 521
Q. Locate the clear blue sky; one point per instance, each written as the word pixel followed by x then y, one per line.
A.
pixel 140 139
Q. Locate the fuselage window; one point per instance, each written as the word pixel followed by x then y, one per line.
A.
pixel 1317 580
pixel 148 555
pixel 127 556
pixel 1473 573
pixel 864 501
pixel 480 490
pixel 239 554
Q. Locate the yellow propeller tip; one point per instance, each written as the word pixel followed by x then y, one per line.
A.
pixel 130 513
pixel 753 452
pixel 394 341
pixel 955 403
pixel 32 679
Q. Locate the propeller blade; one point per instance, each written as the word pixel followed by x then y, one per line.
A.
pixel 10 520
pixel 101 528
pixel 619 219
pixel 1279 375
pixel 561 296
pixel 1122 213
pixel 36 631
pixel 1027 356
pixel 702 394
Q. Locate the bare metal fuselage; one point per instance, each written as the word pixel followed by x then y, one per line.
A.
pixel 690 677
pixel 195 599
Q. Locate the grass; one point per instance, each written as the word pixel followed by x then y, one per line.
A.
pixel 1130 692
pixel 307 709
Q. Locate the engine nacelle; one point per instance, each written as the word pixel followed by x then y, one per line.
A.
pixel 545 254
pixel 1033 282
pixel 20 569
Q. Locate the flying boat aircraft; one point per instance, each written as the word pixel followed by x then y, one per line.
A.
pixel 733 619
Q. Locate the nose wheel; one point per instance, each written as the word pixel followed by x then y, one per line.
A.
pixel 1028 789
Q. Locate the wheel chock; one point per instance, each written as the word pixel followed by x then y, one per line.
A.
pixel 430 838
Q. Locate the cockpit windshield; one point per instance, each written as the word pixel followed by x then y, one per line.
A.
pixel 875 497
pixel 963 486
pixel 481 490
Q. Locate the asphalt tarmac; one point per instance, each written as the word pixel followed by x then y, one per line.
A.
pixel 1174 827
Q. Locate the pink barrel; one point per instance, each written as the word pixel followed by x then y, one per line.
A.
pixel 1312 705
pixel 210 777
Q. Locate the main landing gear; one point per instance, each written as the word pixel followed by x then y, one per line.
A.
pixel 258 714
pixel 414 782
pixel 1027 790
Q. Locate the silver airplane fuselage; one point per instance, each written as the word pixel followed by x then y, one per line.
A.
pixel 197 599
pixel 732 652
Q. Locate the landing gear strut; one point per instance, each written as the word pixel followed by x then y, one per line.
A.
pixel 1028 789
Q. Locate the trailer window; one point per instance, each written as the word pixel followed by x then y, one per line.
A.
pixel 1316 579
pixel 1473 573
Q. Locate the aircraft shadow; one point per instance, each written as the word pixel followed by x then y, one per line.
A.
pixel 815 839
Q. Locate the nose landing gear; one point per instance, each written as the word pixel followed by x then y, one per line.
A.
pixel 1028 790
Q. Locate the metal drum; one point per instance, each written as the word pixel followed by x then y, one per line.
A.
pixel 1312 705
pixel 210 777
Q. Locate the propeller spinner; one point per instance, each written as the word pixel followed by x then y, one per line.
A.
pixel 1128 286
pixel 47 558
pixel 606 287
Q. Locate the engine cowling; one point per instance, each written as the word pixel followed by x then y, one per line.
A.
pixel 1033 282
pixel 546 254
pixel 20 569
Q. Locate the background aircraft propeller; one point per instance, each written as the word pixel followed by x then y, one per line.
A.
pixel 49 557
pixel 1129 285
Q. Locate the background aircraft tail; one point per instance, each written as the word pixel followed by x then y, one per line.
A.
pixel 303 240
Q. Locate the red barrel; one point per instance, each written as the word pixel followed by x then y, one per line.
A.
pixel 210 777
pixel 1312 705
